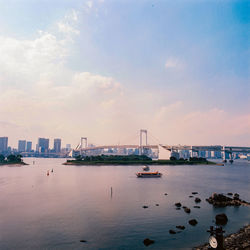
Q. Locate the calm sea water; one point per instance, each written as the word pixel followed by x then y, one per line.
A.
pixel 74 203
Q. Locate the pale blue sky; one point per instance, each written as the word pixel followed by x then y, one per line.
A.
pixel 191 53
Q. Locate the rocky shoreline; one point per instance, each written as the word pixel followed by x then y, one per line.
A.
pixel 234 241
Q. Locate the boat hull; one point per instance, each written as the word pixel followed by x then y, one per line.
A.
pixel 148 175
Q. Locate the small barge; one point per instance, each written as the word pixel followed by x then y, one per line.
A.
pixel 148 175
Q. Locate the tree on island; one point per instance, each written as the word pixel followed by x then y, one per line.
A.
pixel 78 158
pixel 113 158
pixel 14 158
pixel 172 158
pixel 2 158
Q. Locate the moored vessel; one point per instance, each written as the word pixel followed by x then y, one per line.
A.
pixel 148 174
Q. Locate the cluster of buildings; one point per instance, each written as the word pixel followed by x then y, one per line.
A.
pixel 41 149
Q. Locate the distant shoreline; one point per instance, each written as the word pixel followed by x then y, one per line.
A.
pixel 158 162
pixel 12 163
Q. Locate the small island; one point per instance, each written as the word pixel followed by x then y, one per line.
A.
pixel 133 160
pixel 11 160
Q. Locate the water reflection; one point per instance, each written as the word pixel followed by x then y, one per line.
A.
pixel 76 202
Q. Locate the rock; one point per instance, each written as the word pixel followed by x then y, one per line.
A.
pixel 157 205
pixel 184 207
pixel 197 200
pixel 194 192
pixel 83 241
pixel 178 208
pixel 229 193
pixel 221 219
pixel 148 242
pixel 180 227
pixel 191 196
pixel 165 194
pixel 236 196
pixel 172 231
pixel 197 207
pixel 239 240
pixel 220 200
pixel 187 210
pixel 235 203
pixel 178 204
pixel 145 206
pixel 221 197
pixel 193 222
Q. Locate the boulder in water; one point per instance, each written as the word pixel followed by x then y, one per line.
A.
pixel 172 231
pixel 193 222
pixel 148 242
pixel 221 219
pixel 197 200
pixel 178 204
pixel 187 210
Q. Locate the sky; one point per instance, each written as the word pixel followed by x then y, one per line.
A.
pixel 104 69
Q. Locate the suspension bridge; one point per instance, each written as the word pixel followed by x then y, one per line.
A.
pixel 153 150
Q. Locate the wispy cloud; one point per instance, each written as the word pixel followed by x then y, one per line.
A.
pixel 69 23
pixel 173 63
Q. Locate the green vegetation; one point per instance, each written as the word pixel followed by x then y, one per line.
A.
pixel 11 159
pixel 132 160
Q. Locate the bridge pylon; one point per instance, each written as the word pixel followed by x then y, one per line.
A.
pixel 85 139
pixel 145 132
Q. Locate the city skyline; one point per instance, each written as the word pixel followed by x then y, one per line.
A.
pixel 105 69
pixel 24 145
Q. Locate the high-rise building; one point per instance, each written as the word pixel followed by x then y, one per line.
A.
pixel 21 145
pixel 28 146
pixel 3 144
pixel 57 145
pixel 43 145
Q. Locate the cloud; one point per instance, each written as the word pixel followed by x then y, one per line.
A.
pixel 69 23
pixel 42 96
pixel 172 63
pixel 213 126
pixel 89 4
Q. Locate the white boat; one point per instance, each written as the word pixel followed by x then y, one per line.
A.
pixel 148 174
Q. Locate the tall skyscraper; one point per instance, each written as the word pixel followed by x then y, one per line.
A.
pixel 43 145
pixel 57 145
pixel 28 146
pixel 3 144
pixel 21 145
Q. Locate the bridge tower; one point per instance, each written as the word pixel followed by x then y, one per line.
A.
pixel 223 153
pixel 85 139
pixel 145 132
